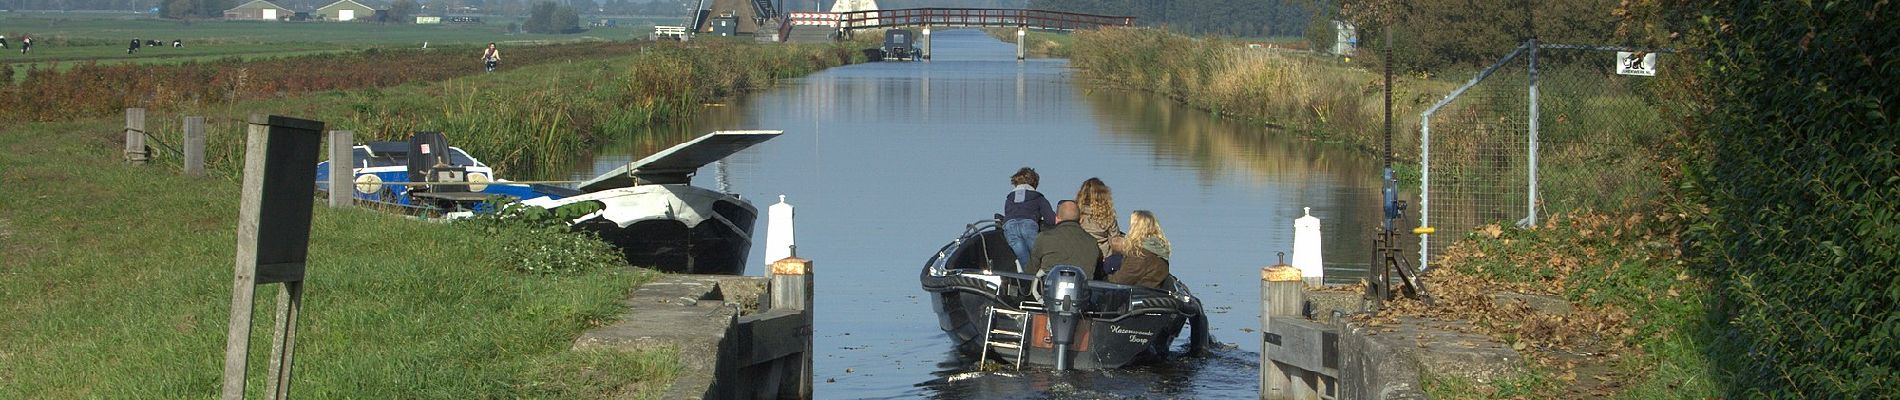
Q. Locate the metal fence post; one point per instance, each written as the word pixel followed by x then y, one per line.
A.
pixel 1424 186
pixel 1530 216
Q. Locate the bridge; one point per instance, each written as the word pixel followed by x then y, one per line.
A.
pixel 927 18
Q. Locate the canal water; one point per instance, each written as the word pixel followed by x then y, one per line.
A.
pixel 886 162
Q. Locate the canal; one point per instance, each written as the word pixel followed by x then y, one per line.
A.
pixel 886 162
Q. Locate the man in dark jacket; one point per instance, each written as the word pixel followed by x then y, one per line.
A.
pixel 1065 244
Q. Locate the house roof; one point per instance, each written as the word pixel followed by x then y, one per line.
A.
pixel 340 4
pixel 258 4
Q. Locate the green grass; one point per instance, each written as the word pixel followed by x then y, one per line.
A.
pixel 116 282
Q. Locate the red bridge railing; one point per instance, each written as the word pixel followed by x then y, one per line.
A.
pixel 958 17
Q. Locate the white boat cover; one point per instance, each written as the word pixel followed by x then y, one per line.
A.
pixel 676 164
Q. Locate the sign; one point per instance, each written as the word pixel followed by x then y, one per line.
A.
pixel 1641 63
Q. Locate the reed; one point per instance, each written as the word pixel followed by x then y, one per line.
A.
pixel 1279 88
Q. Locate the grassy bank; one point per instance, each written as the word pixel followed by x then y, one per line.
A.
pixel 1040 44
pixel 529 121
pixel 116 283
pixel 1637 328
pixel 91 89
pixel 103 37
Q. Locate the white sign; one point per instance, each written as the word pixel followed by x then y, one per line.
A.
pixel 1640 63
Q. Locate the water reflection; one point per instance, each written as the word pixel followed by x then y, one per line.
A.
pixel 887 161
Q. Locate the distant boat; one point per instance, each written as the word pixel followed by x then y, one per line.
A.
pixel 385 173
pixel 658 219
pixel 992 310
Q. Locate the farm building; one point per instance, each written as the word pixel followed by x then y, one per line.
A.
pixel 257 10
pixel 345 10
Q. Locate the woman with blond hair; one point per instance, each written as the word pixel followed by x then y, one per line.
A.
pixel 1098 213
pixel 1144 252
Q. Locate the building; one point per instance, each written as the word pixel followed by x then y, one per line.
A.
pixel 257 10
pixel 345 10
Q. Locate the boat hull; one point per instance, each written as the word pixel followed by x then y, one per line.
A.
pixel 1123 324
pixel 672 228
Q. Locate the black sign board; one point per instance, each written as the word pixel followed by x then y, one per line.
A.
pixel 283 224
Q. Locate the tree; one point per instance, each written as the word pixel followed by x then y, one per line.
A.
pixel 548 17
pixel 404 11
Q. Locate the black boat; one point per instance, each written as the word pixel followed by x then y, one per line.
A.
pixel 993 310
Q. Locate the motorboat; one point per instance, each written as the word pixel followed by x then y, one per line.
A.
pixel 994 310
pixel 652 212
pixel 425 174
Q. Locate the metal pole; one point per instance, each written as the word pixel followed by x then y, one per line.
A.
pixel 1387 49
pixel 1424 187
pixel 1530 219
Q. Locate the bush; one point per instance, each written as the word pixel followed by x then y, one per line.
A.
pixel 1801 181
pixel 541 242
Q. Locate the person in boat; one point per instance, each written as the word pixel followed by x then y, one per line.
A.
pixel 1144 252
pixel 1025 212
pixel 1098 219
pixel 1065 244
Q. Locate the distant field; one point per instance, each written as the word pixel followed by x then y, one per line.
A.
pixel 62 38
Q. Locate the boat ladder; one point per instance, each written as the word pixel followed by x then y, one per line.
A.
pixel 994 336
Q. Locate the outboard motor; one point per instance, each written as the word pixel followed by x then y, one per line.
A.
pixel 1063 296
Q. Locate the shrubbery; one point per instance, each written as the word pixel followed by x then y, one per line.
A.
pixel 540 242
pixel 1803 182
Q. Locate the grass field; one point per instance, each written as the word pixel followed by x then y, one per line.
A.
pixel 116 282
pixel 64 39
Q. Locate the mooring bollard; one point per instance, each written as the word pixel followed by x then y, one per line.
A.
pixel 1306 249
pixel 135 136
pixel 194 146
pixel 342 175
pixel 1282 294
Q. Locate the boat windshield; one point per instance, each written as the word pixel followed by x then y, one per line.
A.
pixel 366 160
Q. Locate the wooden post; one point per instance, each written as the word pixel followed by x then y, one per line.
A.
pixel 284 340
pixel 135 136
pixel 237 343
pixel 791 288
pixel 342 173
pixel 194 146
pixel 273 235
pixel 1282 294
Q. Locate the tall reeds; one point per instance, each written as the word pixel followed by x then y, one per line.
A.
pixel 1279 88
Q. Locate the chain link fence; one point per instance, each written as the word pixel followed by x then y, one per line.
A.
pixel 1546 129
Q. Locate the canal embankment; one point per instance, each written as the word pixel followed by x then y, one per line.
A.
pixel 115 276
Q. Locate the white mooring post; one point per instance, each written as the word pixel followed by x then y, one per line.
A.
pixel 779 236
pixel 1306 249
pixel 926 46
pixel 1020 32
pixel 194 146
